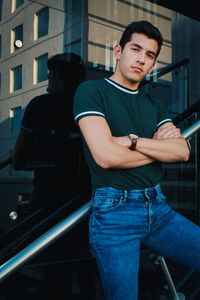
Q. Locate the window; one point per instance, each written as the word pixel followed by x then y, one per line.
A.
pixel 16 78
pixel 40 68
pixel 19 2
pixel 42 23
pixel 16 35
pixel 16 4
pixel 16 117
pixel 1 7
pixel 74 47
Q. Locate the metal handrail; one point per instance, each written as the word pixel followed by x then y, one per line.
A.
pixel 59 229
pixel 43 241
pixel 165 70
pixel 5 162
pixel 192 109
pixel 192 129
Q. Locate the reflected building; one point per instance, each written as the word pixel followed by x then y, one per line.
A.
pixel 33 31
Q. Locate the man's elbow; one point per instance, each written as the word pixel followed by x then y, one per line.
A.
pixel 187 151
pixel 186 155
pixel 105 162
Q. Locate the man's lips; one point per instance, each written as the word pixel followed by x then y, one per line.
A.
pixel 137 69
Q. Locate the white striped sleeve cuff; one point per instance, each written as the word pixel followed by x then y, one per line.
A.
pixel 163 122
pixel 88 113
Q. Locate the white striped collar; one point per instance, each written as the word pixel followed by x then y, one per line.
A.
pixel 121 88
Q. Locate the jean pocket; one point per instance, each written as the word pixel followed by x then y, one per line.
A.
pixel 103 202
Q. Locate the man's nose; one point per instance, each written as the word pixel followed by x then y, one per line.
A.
pixel 141 57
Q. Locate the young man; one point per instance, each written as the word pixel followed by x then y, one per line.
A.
pixel 127 135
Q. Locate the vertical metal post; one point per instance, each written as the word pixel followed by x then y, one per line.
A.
pixel 161 261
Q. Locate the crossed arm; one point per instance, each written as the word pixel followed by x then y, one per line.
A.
pixel 167 145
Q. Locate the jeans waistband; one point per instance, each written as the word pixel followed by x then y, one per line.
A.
pixel 147 191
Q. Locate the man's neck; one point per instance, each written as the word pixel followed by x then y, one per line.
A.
pixel 125 83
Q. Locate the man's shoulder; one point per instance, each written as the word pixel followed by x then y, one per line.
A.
pixel 39 100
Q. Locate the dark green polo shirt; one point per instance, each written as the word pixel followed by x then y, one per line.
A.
pixel 126 111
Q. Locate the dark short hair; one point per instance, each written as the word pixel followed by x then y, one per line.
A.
pixel 69 66
pixel 145 28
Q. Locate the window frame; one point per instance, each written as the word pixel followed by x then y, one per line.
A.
pixel 12 79
pixel 37 36
pixel 36 69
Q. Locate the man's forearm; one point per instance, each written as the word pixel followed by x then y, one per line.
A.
pixel 131 159
pixel 164 150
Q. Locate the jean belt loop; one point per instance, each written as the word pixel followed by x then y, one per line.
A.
pixel 158 189
pixel 146 192
pixel 125 194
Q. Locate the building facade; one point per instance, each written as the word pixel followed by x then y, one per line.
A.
pixel 33 31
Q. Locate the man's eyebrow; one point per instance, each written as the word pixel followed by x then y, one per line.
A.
pixel 140 47
pixel 136 45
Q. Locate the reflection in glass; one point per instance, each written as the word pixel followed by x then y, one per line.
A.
pixel 16 116
pixel 42 22
pixel 41 67
pixel 16 78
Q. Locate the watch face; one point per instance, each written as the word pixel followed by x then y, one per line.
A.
pixel 133 136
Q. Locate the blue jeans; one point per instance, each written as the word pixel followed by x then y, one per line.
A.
pixel 123 219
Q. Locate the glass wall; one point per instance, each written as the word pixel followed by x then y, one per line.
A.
pixel 91 28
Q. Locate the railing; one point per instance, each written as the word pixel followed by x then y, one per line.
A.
pixel 194 108
pixel 187 133
pixel 44 241
pixel 5 162
pixel 165 70
pixel 62 227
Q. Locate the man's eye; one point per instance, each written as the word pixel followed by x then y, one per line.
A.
pixel 135 49
pixel 151 56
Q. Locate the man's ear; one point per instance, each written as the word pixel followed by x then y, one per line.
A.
pixel 117 51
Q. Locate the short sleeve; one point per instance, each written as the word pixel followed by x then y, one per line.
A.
pixel 88 101
pixel 163 115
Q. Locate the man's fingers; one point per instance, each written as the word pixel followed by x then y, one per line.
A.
pixel 170 132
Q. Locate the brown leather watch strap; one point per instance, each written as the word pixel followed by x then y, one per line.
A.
pixel 133 139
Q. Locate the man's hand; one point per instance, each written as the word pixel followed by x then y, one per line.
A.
pixel 167 132
pixel 167 145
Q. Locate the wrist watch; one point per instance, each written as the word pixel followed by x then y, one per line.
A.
pixel 133 138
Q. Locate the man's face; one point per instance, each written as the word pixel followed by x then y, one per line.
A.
pixel 136 60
